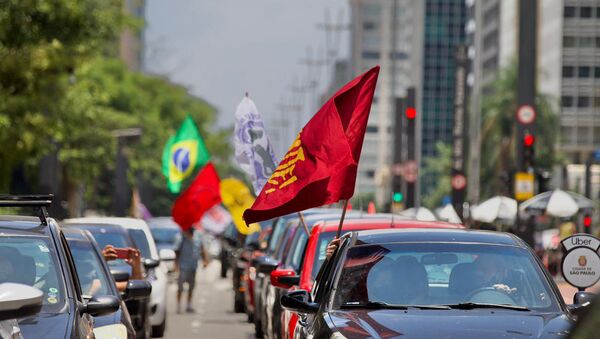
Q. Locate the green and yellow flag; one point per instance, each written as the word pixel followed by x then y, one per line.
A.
pixel 182 153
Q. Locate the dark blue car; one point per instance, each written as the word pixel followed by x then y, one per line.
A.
pixel 415 283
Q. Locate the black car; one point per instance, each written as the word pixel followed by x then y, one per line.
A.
pixel 230 244
pixel 95 278
pixel 117 236
pixel 419 283
pixel 34 252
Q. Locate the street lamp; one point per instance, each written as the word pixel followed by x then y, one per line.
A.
pixel 121 188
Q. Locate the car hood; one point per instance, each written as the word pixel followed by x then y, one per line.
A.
pixel 451 323
pixel 45 325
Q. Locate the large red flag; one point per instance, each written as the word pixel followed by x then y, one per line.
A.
pixel 203 193
pixel 320 166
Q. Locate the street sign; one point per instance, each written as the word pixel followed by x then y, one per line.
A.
pixel 581 264
pixel 458 182
pixel 526 114
pixel 524 185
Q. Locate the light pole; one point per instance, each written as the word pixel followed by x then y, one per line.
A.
pixel 121 188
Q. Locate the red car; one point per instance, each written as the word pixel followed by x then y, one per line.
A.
pixel 314 256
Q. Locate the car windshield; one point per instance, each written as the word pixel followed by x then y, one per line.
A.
pixel 443 274
pixel 278 231
pixel 33 261
pixel 163 235
pixel 324 239
pixel 92 277
pixel 141 242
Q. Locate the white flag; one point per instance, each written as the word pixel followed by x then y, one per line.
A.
pixel 253 151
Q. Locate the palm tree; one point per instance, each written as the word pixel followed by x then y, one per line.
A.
pixel 499 133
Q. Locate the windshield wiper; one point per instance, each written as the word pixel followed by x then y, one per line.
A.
pixel 470 306
pixel 384 305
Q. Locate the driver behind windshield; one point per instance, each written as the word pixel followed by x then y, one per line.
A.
pixel 490 271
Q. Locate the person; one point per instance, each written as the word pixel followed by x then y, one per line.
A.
pixel 188 249
pixel 134 259
pixel 331 247
pixel 491 272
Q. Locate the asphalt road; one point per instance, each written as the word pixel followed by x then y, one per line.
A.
pixel 214 317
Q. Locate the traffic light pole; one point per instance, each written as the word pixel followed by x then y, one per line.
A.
pixel 526 98
pixel 399 123
pixel 411 144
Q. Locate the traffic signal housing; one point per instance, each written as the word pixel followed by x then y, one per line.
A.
pixel 587 223
pixel 528 144
pixel 397 197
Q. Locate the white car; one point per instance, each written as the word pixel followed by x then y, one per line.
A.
pixel 157 274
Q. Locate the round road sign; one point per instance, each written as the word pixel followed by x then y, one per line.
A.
pixel 526 114
pixel 458 181
pixel 581 267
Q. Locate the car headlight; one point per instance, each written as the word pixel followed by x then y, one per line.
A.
pixel 116 331
pixel 337 335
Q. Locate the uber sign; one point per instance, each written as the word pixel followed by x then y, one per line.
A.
pixel 581 263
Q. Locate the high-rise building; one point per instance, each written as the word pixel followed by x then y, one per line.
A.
pixel 131 41
pixel 386 33
pixel 568 65
pixel 445 23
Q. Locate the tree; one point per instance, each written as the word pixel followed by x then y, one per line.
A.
pixel 499 133
pixel 439 168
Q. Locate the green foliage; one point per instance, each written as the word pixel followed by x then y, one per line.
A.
pixel 438 167
pixel 499 133
pixel 61 92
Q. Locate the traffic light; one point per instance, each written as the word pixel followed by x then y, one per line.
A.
pixel 397 197
pixel 587 223
pixel 411 113
pixel 528 149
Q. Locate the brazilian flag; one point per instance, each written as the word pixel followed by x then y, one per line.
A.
pixel 182 154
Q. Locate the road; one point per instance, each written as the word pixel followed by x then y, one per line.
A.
pixel 214 317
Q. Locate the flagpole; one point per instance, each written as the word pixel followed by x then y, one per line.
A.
pixel 303 223
pixel 339 231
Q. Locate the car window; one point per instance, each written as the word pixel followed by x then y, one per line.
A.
pixel 141 242
pixel 164 235
pixel 296 253
pixel 105 236
pixel 443 273
pixel 278 232
pixel 92 277
pixel 322 242
pixel 284 242
pixel 33 261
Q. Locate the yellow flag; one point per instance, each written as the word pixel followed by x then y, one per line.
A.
pixel 236 197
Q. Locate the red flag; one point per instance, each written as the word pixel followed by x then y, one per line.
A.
pixel 320 166
pixel 202 194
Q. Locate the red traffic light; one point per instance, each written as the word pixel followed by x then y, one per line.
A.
pixel 411 113
pixel 587 221
pixel 528 140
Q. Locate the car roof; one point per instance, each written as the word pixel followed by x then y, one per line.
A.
pixel 428 235
pixel 132 223
pixel 387 221
pixel 23 224
pixel 162 222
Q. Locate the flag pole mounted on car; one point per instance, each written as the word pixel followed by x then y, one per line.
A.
pixel 339 230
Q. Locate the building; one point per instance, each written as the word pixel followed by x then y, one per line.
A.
pixel 389 34
pixel 131 41
pixel 568 67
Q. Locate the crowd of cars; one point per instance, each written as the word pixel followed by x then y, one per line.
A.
pixel 392 277
pixel 97 277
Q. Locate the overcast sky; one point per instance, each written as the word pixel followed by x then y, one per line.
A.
pixel 223 48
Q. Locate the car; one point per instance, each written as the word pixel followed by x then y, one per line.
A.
pixel 307 254
pixel 117 236
pixel 164 231
pixel 230 243
pixel 423 283
pixel 95 279
pixel 155 273
pixel 238 272
pixel 251 251
pixel 34 252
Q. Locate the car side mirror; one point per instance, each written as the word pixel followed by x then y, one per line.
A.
pixel 19 301
pixel 120 275
pixel 101 305
pixel 266 267
pixel 166 254
pixel 137 289
pixel 299 302
pixel 581 301
pixel 151 263
pixel 284 278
